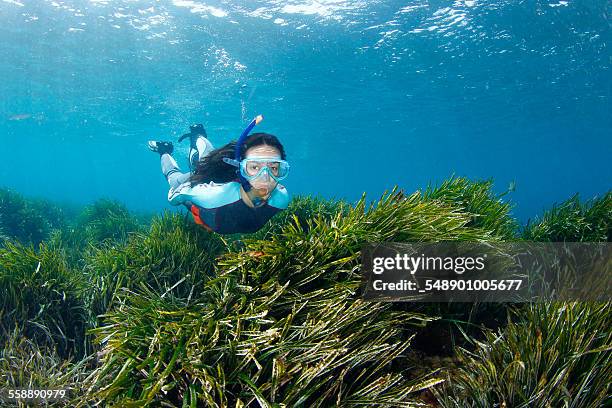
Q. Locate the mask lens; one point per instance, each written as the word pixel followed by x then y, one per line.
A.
pixel 274 168
pixel 282 170
pixel 251 168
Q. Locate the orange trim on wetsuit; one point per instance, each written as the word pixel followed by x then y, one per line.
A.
pixel 195 211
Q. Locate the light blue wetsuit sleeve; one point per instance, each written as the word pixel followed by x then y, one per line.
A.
pixel 213 195
pixel 280 197
pixel 210 195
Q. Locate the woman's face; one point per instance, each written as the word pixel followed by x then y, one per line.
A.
pixel 263 185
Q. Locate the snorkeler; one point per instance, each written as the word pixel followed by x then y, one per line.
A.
pixel 231 189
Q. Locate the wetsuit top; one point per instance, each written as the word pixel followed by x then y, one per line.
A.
pixel 221 208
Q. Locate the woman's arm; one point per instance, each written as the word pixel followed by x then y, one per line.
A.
pixel 210 195
pixel 279 198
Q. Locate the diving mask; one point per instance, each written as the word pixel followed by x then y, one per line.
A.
pixel 256 167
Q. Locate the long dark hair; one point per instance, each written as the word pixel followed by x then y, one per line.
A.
pixel 213 168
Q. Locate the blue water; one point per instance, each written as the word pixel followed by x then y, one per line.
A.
pixel 365 95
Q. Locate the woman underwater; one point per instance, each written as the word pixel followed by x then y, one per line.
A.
pixel 231 189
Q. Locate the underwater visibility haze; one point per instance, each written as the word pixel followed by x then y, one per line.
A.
pixel 364 95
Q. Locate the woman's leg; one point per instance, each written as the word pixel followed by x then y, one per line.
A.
pixel 200 149
pixel 172 171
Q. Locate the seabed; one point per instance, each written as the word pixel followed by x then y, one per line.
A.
pixel 128 310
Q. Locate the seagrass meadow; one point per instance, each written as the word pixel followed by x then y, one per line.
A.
pixel 132 310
